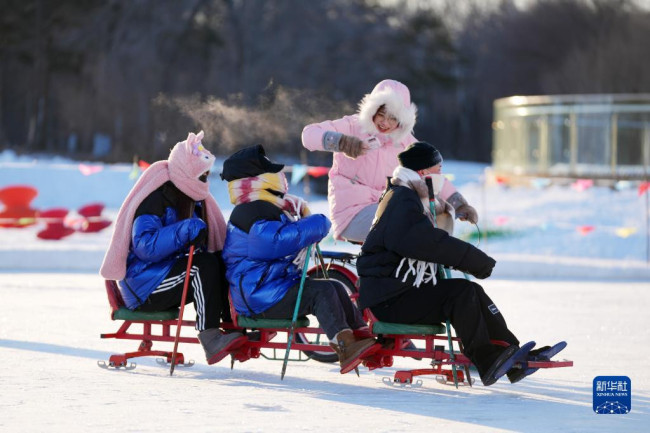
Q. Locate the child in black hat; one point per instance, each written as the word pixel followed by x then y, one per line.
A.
pixel 267 234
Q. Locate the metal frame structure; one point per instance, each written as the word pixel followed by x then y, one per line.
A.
pixel 596 136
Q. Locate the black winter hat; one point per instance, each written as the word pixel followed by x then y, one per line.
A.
pixel 248 162
pixel 419 155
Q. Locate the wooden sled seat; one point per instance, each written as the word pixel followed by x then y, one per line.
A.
pixel 248 322
pixel 387 328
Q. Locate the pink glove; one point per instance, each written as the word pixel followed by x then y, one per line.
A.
pixel 298 204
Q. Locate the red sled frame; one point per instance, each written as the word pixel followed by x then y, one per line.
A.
pixel 156 326
pixel 449 365
pixel 161 326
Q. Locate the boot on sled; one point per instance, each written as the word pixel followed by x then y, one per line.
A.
pixel 489 358
pixel 493 362
pixel 542 354
pixel 217 345
pixel 351 350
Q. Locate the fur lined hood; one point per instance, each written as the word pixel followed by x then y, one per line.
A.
pixel 397 98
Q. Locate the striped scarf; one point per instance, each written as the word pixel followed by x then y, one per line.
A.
pixel 259 187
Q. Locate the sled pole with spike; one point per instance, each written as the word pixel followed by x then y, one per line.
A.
pixel 322 261
pixel 186 284
pixel 180 313
pixel 447 274
pixel 295 313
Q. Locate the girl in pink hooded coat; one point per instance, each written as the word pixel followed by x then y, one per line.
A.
pixel 365 147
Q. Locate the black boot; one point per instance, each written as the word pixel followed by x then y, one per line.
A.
pixel 489 358
pixel 516 374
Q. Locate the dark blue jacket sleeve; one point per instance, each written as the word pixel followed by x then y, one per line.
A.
pixel 273 239
pixel 153 242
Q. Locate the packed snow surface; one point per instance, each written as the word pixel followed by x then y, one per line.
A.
pixel 572 264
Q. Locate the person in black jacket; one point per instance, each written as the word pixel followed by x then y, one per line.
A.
pixel 398 269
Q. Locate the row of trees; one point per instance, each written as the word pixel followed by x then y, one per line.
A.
pixel 109 79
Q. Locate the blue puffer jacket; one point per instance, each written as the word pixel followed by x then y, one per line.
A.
pixel 259 264
pixel 158 239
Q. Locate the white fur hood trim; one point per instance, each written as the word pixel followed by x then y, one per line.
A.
pixel 397 99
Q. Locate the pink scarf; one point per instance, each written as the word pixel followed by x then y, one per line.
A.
pixel 187 161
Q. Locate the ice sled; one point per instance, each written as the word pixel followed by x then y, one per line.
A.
pixel 434 345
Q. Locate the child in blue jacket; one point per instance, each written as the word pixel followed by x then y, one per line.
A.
pixel 167 210
pixel 266 235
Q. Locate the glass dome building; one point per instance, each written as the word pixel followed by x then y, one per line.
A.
pixel 587 136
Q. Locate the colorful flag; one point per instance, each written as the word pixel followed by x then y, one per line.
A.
pixel 625 232
pixel 643 187
pixel 317 171
pixel 582 184
pixel 87 170
pixel 584 230
pixel 298 171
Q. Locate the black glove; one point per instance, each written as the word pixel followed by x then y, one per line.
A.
pixel 200 239
pixel 486 270
pixel 477 263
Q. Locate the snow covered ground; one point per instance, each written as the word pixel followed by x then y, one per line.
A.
pixel 551 281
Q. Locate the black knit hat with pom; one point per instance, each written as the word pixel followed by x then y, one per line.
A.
pixel 419 155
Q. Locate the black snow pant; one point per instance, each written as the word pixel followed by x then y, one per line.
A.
pixel 471 312
pixel 208 289
pixel 326 299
